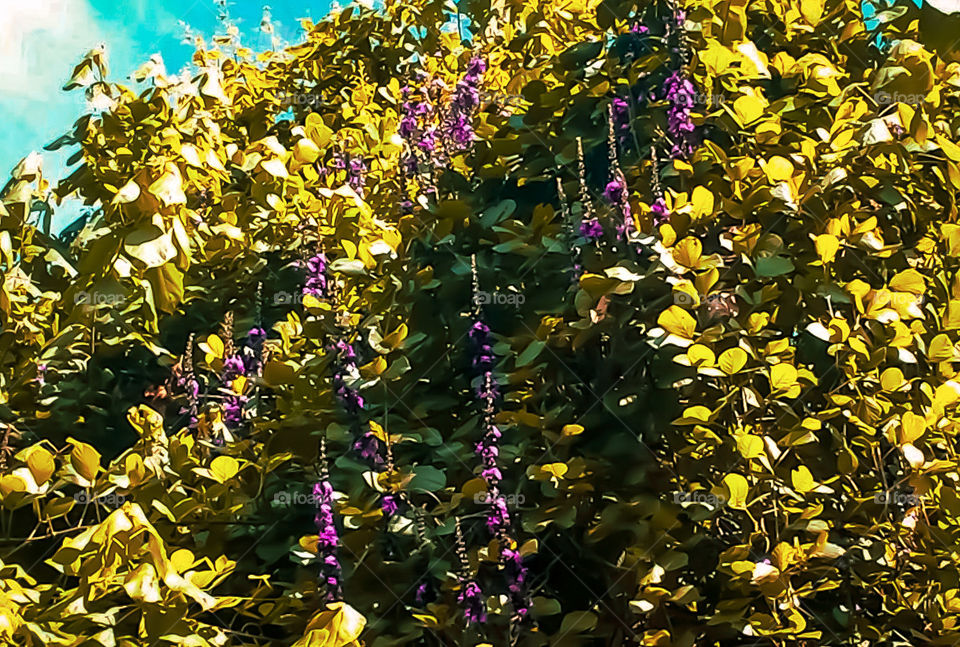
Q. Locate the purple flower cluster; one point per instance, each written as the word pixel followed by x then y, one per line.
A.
pixel 517 578
pixel 474 605
pixel 591 229
pixel 458 122
pixel 616 193
pixel 327 539
pixel 316 282
pixel 488 450
pixel 415 125
pixel 659 211
pixel 483 359
pixel 346 366
pixel 681 93
pixel 389 505
pixel 368 447
pixel 233 367
pixel 621 119
pixel 253 351
pixel 355 168
pixel 616 190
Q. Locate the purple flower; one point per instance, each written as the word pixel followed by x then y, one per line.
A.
pixel 389 505
pixel 659 211
pixel 347 364
pixel 613 190
pixel 253 351
pixel 425 593
pixel 233 367
pixel 457 126
pixel 639 29
pixel 327 539
pixel 681 93
pixel 368 446
pixel 498 517
pixel 41 374
pixel 474 605
pixel 516 574
pixel 591 229
pixel 316 281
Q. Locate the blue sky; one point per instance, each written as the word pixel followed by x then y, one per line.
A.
pixel 42 40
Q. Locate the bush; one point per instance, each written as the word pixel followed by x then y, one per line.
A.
pixel 602 323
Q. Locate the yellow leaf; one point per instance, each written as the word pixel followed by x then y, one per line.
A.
pixel 812 11
pixel 827 246
pixel 782 377
pixel 676 321
pixel 750 446
pixel 41 464
pixel 224 468
pixel 555 470
pixel 141 584
pixel 778 169
pixel 732 360
pixel 950 149
pixel 702 200
pixel 85 460
pixel 908 281
pixel 891 379
pixel 737 489
pixel 306 151
pixel 951 320
pixel 168 188
pixel 912 427
pixel 913 455
pixel 571 430
pixel 216 346
pixel 700 355
pixel 941 349
pixel 802 479
pixel 339 625
pixel 377 431
pixel 748 109
pixel 688 251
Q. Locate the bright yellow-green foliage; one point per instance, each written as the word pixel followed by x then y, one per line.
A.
pixel 740 427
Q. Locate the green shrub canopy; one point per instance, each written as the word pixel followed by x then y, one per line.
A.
pixel 604 324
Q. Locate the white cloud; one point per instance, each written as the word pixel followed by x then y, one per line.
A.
pixel 40 42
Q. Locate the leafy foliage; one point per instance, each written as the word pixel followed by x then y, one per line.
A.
pixel 725 411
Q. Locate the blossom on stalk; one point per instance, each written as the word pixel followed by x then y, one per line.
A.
pixel 681 93
pixel 474 605
pixel 368 447
pixel 616 190
pixel 659 211
pixel 346 367
pixel 316 281
pixel 389 505
pixel 327 540
pixel 458 122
